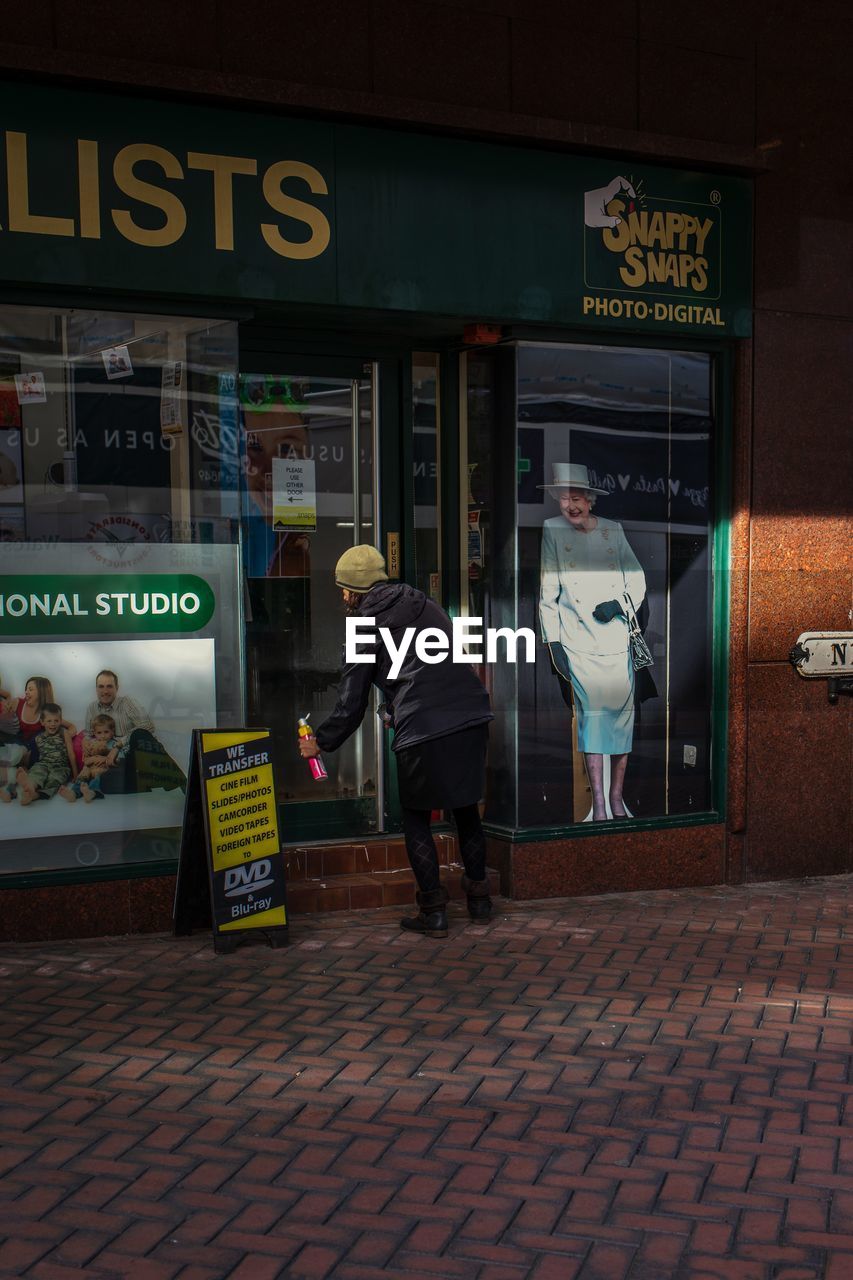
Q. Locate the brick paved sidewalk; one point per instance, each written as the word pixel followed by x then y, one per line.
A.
pixel 642 1086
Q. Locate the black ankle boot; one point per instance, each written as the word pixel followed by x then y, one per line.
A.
pixel 431 920
pixel 479 902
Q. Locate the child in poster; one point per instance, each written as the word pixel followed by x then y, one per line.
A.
pixel 56 764
pixel 101 750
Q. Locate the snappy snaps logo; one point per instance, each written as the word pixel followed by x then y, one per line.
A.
pixel 646 247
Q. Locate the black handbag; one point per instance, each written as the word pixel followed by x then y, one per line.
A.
pixel 641 654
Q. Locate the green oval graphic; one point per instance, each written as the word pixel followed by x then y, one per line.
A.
pixel 97 604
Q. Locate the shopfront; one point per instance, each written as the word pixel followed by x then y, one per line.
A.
pixel 232 345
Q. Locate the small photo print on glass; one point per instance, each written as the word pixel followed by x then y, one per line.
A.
pixel 30 388
pixel 117 362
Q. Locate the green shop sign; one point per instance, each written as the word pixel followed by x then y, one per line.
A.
pixel 122 604
pixel 146 197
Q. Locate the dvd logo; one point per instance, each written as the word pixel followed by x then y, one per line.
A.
pixel 240 880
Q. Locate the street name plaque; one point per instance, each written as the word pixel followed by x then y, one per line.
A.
pixel 826 655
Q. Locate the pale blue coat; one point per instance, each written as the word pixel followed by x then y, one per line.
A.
pixel 580 570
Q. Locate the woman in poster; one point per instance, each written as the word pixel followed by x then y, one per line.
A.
pixel 587 566
pixel 37 691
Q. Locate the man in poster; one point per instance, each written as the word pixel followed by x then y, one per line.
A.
pixel 146 763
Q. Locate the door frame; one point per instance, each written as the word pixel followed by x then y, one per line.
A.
pixel 269 349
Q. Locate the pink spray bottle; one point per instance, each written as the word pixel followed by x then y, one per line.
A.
pixel 318 769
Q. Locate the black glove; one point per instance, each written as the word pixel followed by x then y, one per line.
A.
pixel 608 610
pixel 559 659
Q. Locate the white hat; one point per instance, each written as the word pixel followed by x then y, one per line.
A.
pixel 571 475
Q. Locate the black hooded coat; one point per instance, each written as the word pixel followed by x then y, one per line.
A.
pixel 426 700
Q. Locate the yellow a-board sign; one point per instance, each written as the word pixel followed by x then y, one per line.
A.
pixel 231 870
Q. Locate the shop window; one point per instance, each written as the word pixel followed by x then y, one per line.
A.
pixel 591 491
pixel 120 600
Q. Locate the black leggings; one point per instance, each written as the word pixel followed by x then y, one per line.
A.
pixel 420 845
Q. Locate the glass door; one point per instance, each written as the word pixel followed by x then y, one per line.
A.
pixel 307 449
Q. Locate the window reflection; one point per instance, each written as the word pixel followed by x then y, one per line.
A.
pixel 425 450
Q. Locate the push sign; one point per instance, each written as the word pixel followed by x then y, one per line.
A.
pixel 231 870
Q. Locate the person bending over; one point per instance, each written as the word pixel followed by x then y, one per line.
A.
pixel 440 714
